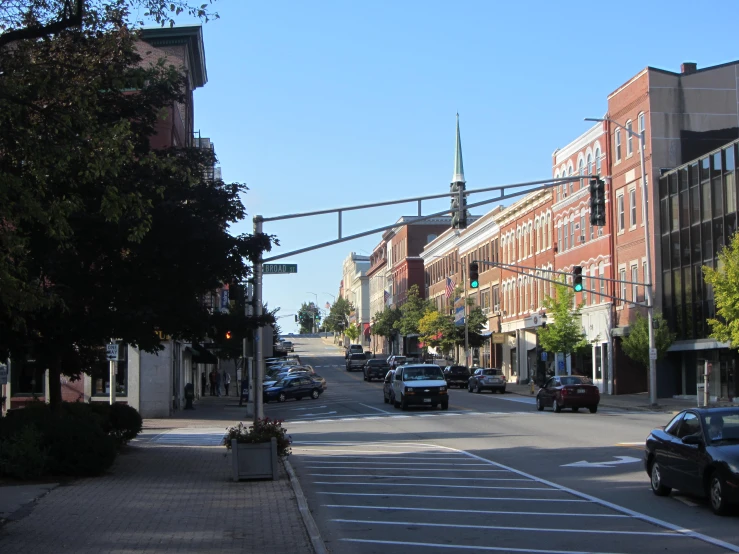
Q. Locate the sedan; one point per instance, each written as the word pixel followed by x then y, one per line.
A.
pixel 387 388
pixel 375 369
pixel 296 387
pixel 457 375
pixel 568 391
pixel 698 453
pixel 491 379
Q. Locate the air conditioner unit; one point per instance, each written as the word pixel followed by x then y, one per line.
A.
pixel 486 311
pixel 496 308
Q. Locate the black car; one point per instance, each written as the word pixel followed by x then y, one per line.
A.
pixel 295 387
pixel 387 388
pixel 375 369
pixel 356 361
pixel 456 375
pixel 698 453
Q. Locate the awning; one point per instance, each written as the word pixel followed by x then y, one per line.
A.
pixel 486 334
pixel 201 355
pixel 699 344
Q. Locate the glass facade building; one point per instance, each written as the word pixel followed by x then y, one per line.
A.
pixel 698 216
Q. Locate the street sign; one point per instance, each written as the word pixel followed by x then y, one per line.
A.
pixel 276 269
pixel 112 352
pixel 652 353
pixel 3 374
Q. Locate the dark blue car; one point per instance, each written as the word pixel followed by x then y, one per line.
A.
pixel 295 386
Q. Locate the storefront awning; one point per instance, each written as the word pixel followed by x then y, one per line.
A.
pixel 486 334
pixel 201 355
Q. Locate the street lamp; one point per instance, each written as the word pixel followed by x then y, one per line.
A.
pixel 648 254
pixel 314 311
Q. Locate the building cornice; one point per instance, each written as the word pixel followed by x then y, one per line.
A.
pixel 580 143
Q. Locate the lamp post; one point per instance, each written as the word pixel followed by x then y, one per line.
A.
pixel 648 255
pixel 314 310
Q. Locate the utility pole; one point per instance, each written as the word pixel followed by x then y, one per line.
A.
pixel 259 369
pixel 466 326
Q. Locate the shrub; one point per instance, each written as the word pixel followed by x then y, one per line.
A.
pixel 125 422
pixel 79 447
pixel 262 431
pixel 23 455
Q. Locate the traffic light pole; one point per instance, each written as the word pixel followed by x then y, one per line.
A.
pixel 259 369
pixel 466 325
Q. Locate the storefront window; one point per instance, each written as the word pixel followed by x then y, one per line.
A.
pixel 100 377
pixel 27 378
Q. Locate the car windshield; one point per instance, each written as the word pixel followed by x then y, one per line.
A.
pixel 459 369
pixel 722 426
pixel 424 373
pixel 492 372
pixel 376 362
pixel 399 359
pixel 575 380
pixel 358 357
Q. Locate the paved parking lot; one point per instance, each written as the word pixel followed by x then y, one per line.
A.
pixel 392 497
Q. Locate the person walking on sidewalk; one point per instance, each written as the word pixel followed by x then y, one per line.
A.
pixel 213 382
pixel 218 383
pixel 226 381
pixel 203 384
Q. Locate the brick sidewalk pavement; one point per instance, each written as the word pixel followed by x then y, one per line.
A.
pixel 159 498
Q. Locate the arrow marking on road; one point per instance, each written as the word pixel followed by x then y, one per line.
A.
pixel 312 408
pixel 322 413
pixel 618 461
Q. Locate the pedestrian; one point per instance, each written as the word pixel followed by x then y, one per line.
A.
pixel 226 381
pixel 213 383
pixel 203 384
pixel 218 383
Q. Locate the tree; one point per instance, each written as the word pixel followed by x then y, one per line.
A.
pixel 338 317
pixel 636 344
pixel 352 332
pixel 411 312
pixel 383 323
pixel 564 334
pixel 475 324
pixel 438 330
pixel 725 283
pixel 307 317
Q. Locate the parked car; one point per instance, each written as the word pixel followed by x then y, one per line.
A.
pixel 294 386
pixel 353 349
pixel 457 375
pixel 487 378
pixel 420 384
pixel 698 453
pixel 355 361
pixel 387 388
pixel 288 346
pixel 375 369
pixel 395 361
pixel 568 391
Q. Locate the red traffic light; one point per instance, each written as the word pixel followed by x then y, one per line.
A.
pixel 228 334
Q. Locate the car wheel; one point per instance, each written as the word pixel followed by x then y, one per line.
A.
pixel 384 398
pixel 555 406
pixel 364 377
pixel 469 388
pixel 478 389
pixel 315 394
pixel 717 494
pixel 298 397
pixel 403 404
pixel 396 403
pixel 575 409
pixel 282 397
pixel 445 405
pixel 539 405
pixel 656 481
pixel 593 409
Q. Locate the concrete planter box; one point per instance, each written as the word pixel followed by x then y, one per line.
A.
pixel 254 461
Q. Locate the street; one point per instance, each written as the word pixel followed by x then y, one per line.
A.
pixel 490 474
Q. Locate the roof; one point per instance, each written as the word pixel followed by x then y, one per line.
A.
pixel 192 37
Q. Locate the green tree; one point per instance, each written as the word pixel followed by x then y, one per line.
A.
pixel 383 323
pixel 563 333
pixel 411 312
pixel 725 283
pixel 307 317
pixel 352 332
pixel 338 317
pixel 636 344
pixel 438 330
pixel 475 325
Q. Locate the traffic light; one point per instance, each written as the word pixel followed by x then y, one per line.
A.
pixel 597 202
pixel 474 276
pixel 459 217
pixel 228 335
pixel 296 319
pixel 577 278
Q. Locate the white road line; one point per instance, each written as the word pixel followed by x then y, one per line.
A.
pixel 308 408
pixel 572 500
pixel 404 477
pixel 373 408
pixel 320 414
pixel 510 528
pixel 478 548
pixel 364 463
pixel 468 487
pixel 495 512
pixel 461 457
pixel 400 468
pixel 373 457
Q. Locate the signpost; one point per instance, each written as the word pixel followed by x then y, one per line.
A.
pixel 3 374
pixel 276 269
pixel 112 351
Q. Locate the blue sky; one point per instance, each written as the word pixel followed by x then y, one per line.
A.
pixel 329 104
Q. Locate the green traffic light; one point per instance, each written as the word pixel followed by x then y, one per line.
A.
pixel 474 284
pixel 578 287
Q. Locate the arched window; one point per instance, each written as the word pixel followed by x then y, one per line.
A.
pixel 531 240
pixel 597 160
pixel 594 283
pixel 525 242
pixel 551 230
pixel 629 139
pixel 590 164
pixel 569 174
pixel 581 170
pixel 502 249
pixel 602 283
pixel 518 244
pixel 558 189
pixel 525 294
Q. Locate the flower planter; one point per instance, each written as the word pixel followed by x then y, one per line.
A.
pixel 254 461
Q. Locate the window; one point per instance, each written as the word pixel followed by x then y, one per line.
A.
pixel 618 145
pixel 602 281
pixel 531 240
pixel 621 212
pixel 584 287
pixel 632 205
pixel 597 160
pixel 641 127
pixel 644 273
pixel 566 236
pixel 590 164
pixel 572 184
pixel 581 170
pixel 634 279
pixel 593 299
pixel 689 426
pixel 629 139
pixel 572 233
pixel 559 236
pixel 496 298
pixel 622 279
pixel 582 228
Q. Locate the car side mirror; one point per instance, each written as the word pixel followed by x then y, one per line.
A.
pixel 695 439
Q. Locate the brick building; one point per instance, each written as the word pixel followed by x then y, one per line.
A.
pixel 379 275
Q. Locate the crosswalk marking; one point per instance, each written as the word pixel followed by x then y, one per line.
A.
pixel 356 417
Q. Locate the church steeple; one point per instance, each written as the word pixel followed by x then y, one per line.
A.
pixel 458 164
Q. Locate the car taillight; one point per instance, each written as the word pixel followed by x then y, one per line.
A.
pixel 564 392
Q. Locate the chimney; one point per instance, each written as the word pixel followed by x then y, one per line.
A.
pixel 688 67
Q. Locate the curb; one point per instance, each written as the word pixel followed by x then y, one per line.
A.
pixel 310 524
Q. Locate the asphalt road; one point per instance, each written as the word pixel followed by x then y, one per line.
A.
pixel 491 474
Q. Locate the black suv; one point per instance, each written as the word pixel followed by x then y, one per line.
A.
pixel 456 375
pixel 355 361
pixel 375 369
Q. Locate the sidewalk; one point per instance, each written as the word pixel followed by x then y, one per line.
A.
pixel 638 401
pixel 160 498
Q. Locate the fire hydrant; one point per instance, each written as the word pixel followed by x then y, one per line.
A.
pixel 531 386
